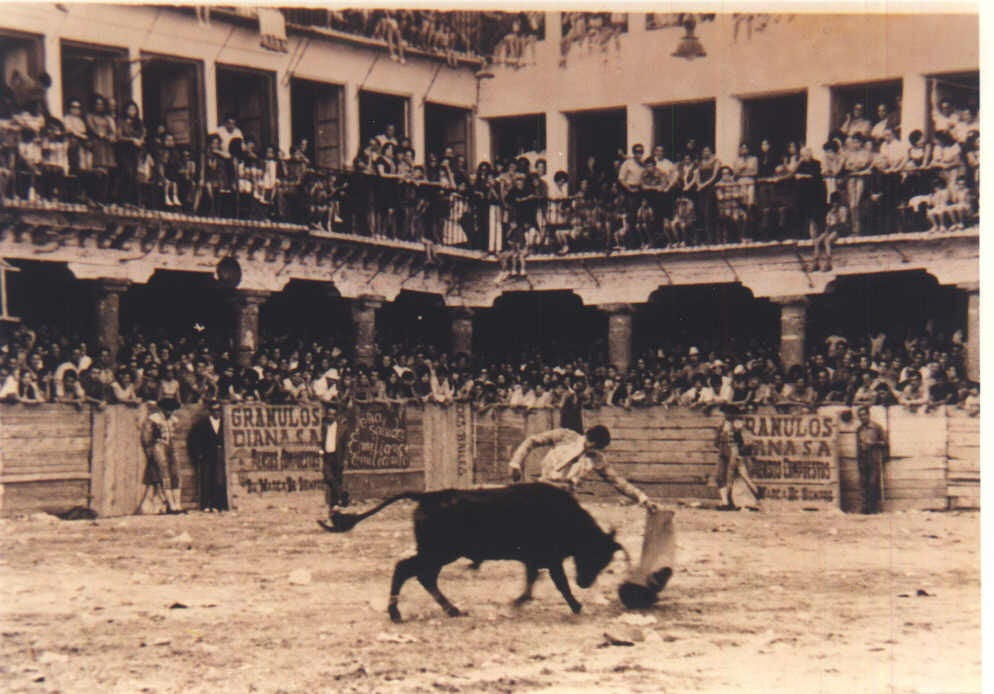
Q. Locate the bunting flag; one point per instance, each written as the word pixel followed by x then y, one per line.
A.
pixel 272 30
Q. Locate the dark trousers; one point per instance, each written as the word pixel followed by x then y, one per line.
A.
pixel 869 479
pixel 334 480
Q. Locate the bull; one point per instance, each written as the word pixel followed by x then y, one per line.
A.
pixel 537 524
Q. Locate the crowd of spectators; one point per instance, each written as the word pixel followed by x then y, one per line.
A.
pixel 922 372
pixel 866 181
pixel 506 38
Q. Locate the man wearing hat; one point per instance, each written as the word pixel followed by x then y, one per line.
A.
pixel 572 457
pixel 332 464
pixel 157 435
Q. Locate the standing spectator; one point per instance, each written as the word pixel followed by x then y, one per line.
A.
pixel 630 177
pixel 871 454
pixel 103 134
pixel 206 446
pixel 335 495
pixel 856 122
pixel 130 141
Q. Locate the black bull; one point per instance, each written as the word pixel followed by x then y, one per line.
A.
pixel 536 524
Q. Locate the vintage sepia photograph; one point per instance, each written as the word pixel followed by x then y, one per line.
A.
pixel 451 349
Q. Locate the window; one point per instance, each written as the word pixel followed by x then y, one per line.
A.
pixel 21 53
pixel 447 126
pixel 960 90
pixel 316 110
pixel 172 95
pixel 871 96
pixel 249 95
pixel 89 70
pixel 377 110
pixel 602 135
pixel 780 119
pixel 515 135
pixel 674 125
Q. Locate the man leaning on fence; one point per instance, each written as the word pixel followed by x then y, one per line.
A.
pixel 871 453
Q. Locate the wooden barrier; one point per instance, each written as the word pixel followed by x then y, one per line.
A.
pixel 963 460
pixel 54 457
pixel 44 458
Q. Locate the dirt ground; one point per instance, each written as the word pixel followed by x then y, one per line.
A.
pixel 267 602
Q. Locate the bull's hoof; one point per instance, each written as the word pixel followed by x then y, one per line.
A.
pixel 576 607
pixel 521 600
pixel 454 611
pixel 395 615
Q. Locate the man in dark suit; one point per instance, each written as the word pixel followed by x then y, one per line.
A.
pixel 333 464
pixel 206 446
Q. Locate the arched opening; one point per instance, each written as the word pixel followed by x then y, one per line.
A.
pixel 413 320
pixel 176 305
pixel 722 318
pixel 47 296
pixel 900 304
pixel 555 325
pixel 307 311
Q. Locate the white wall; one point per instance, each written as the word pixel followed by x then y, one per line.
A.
pixel 166 31
pixel 806 52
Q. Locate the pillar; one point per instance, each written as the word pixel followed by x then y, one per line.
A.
pixel 819 123
pixel 557 141
pixel 972 330
pixel 53 66
pixel 353 126
pixel 793 325
pixel 416 128
pixel 210 96
pixel 728 127
pixel 462 330
pixel 639 123
pixel 108 313
pixel 914 104
pixel 364 318
pixel 481 140
pixel 135 75
pixel 246 305
pixel 619 335
pixel 284 120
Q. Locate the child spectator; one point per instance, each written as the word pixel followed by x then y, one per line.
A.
pixel 683 220
pixel 29 155
pixel 837 223
pixel 169 171
pixel 645 223
pixel 55 164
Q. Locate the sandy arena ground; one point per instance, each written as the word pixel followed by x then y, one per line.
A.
pixel 267 602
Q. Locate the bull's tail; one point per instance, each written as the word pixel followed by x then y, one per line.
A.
pixel 343 522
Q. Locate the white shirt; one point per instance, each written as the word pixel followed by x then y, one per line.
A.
pixel 331 438
pixel 227 137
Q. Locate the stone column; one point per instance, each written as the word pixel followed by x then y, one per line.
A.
pixel 353 124
pixel 462 330
pixel 793 325
pixel 619 334
pixel 972 330
pixel 108 313
pixel 364 318
pixel 246 305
